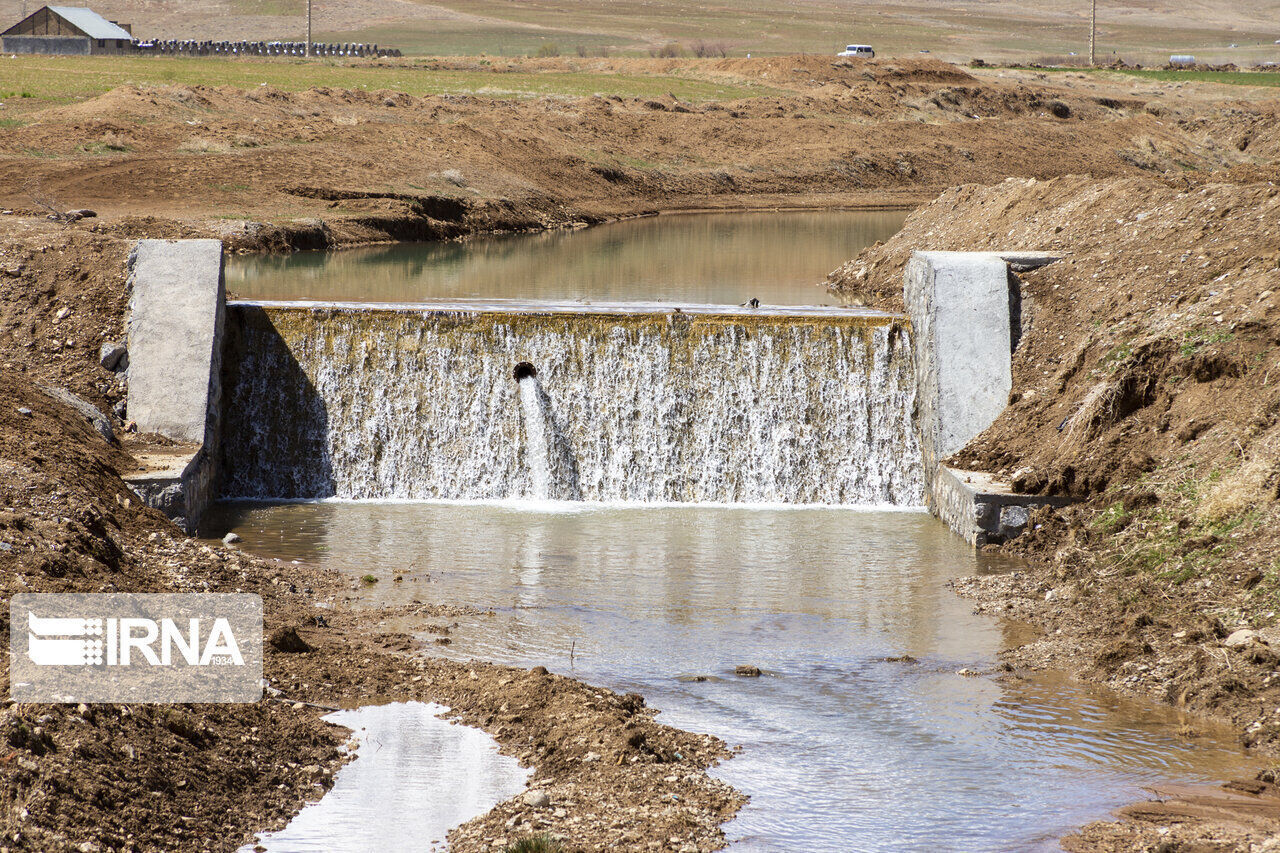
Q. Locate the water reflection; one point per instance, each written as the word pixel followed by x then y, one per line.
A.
pixel 777 258
pixel 843 748
pixel 416 776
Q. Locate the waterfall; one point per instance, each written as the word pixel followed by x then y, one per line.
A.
pixel 553 474
pixel 536 452
pixel 401 402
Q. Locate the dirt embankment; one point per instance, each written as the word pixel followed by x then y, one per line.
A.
pixel 205 777
pixel 331 166
pixel 1147 389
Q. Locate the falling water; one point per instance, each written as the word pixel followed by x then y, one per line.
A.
pixel 535 429
pixel 637 405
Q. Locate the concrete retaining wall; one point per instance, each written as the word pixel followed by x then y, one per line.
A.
pixel 981 509
pixel 183 490
pixel 176 315
pixel 967 318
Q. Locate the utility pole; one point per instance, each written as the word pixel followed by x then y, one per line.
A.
pixel 1093 31
pixel 309 27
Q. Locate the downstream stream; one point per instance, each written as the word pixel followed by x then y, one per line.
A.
pixel 881 722
pixel 843 748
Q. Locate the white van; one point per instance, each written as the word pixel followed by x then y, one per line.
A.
pixel 862 50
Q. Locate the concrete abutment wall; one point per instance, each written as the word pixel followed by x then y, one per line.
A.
pixel 176 315
pixel 967 317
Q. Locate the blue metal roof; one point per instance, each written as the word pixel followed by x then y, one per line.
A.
pixel 90 23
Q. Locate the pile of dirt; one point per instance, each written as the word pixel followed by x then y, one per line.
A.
pixel 827 132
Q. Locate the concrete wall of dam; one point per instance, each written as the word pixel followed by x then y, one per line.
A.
pixel 718 404
pixel 968 316
pixel 636 403
pixel 176 317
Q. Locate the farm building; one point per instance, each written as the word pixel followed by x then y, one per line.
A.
pixel 66 30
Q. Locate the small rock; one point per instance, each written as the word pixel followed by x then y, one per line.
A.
pixel 230 539
pixel 61 315
pixel 746 670
pixel 82 213
pixel 113 356
pixel 537 799
pixel 24 411
pixel 298 706
pixel 968 673
pixel 591 758
pixel 1241 638
pixel 96 419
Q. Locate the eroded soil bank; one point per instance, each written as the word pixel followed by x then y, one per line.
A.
pixel 1146 389
pixel 274 169
pixel 269 169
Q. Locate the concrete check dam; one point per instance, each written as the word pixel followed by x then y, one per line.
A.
pixel 613 403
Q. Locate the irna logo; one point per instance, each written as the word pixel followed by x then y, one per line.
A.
pixel 63 641
pixel 133 647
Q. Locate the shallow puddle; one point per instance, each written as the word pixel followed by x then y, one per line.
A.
pixel 415 777
pixel 843 748
pixel 722 258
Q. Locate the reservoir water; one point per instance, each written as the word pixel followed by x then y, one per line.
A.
pixel 723 258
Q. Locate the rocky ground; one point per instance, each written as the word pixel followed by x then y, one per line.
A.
pixel 1143 390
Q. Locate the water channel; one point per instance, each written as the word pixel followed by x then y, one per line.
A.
pixel 863 732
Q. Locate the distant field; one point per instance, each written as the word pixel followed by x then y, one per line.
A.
pixel 955 30
pixel 35 81
pixel 1231 78
pixel 1006 30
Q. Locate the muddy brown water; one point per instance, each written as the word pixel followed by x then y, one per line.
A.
pixel 842 747
pixel 778 258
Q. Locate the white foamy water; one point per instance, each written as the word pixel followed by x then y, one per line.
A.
pixel 709 406
pixel 535 427
pixel 415 777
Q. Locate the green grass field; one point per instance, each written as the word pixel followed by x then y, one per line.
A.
pixel 43 80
